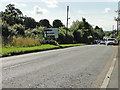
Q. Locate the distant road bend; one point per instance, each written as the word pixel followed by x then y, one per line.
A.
pixel 74 67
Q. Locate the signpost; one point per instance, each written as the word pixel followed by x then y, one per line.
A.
pixel 51 33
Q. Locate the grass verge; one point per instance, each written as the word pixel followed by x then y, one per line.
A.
pixel 70 45
pixel 10 51
pixel 20 50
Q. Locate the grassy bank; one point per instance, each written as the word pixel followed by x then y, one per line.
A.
pixel 8 51
pixel 71 45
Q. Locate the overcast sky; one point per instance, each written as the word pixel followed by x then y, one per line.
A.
pixel 96 12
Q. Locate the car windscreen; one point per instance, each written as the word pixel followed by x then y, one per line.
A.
pixel 111 39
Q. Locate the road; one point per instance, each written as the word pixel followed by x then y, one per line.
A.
pixel 75 67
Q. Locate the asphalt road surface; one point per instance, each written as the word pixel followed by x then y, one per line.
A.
pixel 75 67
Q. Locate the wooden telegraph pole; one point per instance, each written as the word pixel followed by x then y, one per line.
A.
pixel 117 19
pixel 67 18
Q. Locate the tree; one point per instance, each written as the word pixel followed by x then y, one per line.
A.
pixel 84 20
pixel 85 33
pixel 44 23
pixel 118 37
pixel 57 23
pixel 75 25
pixel 5 31
pixel 77 36
pixel 81 24
pixel 99 34
pixel 97 27
pixel 12 15
pixel 29 22
pixel 10 9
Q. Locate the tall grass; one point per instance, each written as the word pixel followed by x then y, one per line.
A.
pixel 24 42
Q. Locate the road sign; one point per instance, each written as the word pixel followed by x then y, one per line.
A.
pixel 51 33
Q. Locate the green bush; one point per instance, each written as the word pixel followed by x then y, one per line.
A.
pixel 19 29
pixel 5 30
pixel 65 37
pixel 6 34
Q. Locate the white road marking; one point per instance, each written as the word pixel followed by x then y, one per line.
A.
pixel 107 78
pixel 17 65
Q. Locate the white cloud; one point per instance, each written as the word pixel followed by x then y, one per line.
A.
pixel 50 3
pixel 107 10
pixel 36 10
pixel 39 10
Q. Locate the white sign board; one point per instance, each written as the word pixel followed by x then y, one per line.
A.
pixel 51 33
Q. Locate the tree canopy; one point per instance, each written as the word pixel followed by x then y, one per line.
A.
pixel 44 23
pixel 84 32
pixel 57 23
pixel 29 22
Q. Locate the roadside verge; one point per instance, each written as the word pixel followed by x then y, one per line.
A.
pixel 11 51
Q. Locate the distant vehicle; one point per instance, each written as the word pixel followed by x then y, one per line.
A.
pixel 115 43
pixel 105 39
pixel 111 41
pixel 103 42
pixel 95 42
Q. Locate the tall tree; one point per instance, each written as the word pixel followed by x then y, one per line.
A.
pixel 10 9
pixel 57 23
pixel 12 15
pixel 44 23
pixel 29 22
pixel 99 33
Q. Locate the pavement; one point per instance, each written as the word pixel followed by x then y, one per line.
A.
pixel 74 67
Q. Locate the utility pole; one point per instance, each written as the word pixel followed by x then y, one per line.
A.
pixel 118 22
pixel 67 19
pixel 117 19
pixel 117 26
pixel 113 28
pixel 67 16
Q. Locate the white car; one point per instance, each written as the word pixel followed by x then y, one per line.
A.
pixel 103 42
pixel 111 41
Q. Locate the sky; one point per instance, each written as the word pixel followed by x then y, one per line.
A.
pixel 96 12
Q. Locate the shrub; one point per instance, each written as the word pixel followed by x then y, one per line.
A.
pixel 19 29
pixel 65 37
pixel 6 34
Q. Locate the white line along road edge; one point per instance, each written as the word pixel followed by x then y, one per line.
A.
pixel 107 78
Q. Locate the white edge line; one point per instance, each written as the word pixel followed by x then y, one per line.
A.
pixel 107 78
